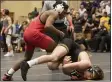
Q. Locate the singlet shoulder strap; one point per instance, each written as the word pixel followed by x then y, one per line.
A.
pixel 40 18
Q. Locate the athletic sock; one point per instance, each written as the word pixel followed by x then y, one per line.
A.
pixel 32 62
pixel 11 72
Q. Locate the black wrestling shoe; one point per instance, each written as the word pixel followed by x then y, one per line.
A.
pixel 24 69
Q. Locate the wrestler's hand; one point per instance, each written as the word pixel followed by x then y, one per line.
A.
pixel 62 34
pixel 67 59
pixel 70 28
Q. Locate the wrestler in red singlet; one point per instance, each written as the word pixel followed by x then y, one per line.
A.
pixel 34 35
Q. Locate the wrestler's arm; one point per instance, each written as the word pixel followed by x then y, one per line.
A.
pixel 81 65
pixel 49 24
pixel 69 18
pixel 71 26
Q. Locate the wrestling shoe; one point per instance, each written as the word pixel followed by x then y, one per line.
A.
pixel 24 69
pixel 7 77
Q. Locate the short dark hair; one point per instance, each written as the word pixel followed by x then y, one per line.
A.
pixel 6 11
pixel 105 13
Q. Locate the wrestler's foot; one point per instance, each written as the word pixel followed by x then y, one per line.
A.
pixel 24 69
pixel 7 77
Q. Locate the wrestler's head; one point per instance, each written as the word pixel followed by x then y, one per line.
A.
pixel 61 8
pixel 94 73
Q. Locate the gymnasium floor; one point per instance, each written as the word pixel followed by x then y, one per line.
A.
pixel 42 73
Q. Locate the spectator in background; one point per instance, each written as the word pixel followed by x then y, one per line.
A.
pixel 16 35
pixel 84 2
pixel 29 17
pixel 96 22
pixel 103 3
pixel 87 28
pixel 107 8
pixel 6 29
pixel 104 21
pixel 42 3
pixel 78 24
pixel 1 24
pixel 35 13
pixel 1 38
pixel 89 9
pixel 82 10
pixel 74 15
pixel 105 43
pixel 98 12
pixel 71 11
pixel 24 25
pixel 102 37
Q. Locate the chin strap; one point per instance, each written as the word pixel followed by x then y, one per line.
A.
pixel 75 73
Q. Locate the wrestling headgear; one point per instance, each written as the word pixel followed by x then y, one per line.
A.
pixel 59 8
pixel 97 72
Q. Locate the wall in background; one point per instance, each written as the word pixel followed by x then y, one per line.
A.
pixel 74 4
pixel 22 8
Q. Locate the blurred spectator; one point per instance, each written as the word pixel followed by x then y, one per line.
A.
pixel 96 22
pixel 16 35
pixel 78 23
pixel 84 3
pixel 82 10
pixel 24 25
pixel 1 38
pixel 6 30
pixel 1 24
pixel 34 13
pixel 42 3
pixel 71 11
pixel 107 8
pixel 100 38
pixel 105 43
pixel 16 27
pixel 104 21
pixel 74 14
pixel 29 17
pixel 103 3
pixel 87 29
pixel 17 39
pixel 89 9
pixel 94 6
pixel 98 12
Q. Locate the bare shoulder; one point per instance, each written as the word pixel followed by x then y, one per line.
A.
pixel 84 55
pixel 54 13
